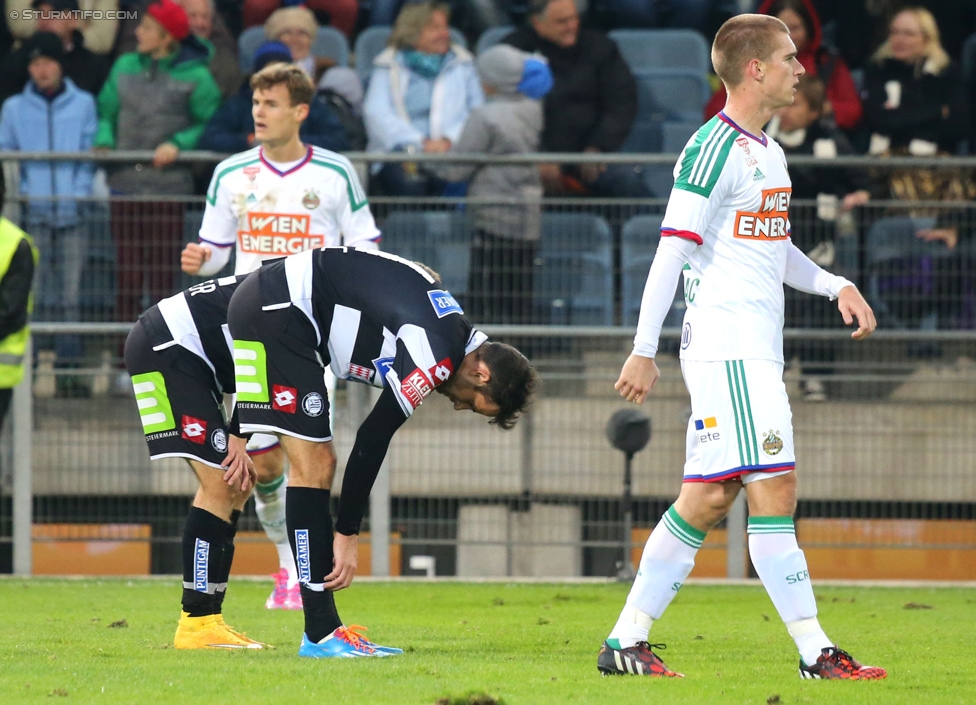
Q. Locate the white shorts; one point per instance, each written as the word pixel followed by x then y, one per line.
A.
pixel 262 443
pixel 741 425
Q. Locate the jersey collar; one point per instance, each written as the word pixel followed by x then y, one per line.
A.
pixel 303 162
pixel 728 121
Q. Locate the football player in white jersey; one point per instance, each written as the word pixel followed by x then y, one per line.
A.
pixel 277 199
pixel 727 220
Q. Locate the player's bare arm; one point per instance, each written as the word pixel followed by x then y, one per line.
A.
pixel 637 378
pixel 345 552
pixel 852 306
pixel 193 257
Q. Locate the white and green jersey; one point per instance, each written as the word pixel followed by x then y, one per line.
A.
pixel 269 213
pixel 731 196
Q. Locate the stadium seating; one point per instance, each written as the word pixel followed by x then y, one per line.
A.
pixel 645 49
pixel 492 36
pixel 674 136
pixel 439 239
pixel 638 244
pixel 574 283
pixel 372 41
pixel 328 42
pixel 665 95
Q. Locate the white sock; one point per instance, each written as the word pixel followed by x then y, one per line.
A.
pixel 782 567
pixel 669 556
pixel 269 503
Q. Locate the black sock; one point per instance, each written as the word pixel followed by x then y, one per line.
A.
pixel 228 560
pixel 307 515
pixel 203 550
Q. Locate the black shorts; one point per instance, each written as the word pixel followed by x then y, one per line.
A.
pixel 179 401
pixel 280 371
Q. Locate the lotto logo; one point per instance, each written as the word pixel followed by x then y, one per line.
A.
pixel 285 399
pixel 415 388
pixel 194 430
pixel 441 371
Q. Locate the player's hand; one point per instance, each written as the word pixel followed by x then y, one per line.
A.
pixel 193 257
pixel 852 306
pixel 637 378
pixel 165 154
pixel 345 551
pixel 239 470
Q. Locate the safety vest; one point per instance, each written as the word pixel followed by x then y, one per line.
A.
pixel 13 346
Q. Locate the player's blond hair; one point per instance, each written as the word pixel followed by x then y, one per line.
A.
pixel 299 85
pixel 742 39
pixel 934 52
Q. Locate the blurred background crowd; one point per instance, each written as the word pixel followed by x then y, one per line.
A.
pixel 883 77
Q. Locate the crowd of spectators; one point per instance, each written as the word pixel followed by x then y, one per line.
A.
pixel 887 78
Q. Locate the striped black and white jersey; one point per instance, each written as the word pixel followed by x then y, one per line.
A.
pixel 379 319
pixel 196 319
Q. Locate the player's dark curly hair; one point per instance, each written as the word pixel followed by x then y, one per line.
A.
pixel 512 384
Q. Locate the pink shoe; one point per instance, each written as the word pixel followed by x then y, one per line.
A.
pixel 293 598
pixel 279 596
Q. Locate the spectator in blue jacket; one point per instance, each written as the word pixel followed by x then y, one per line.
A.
pixel 53 115
pixel 420 93
pixel 231 129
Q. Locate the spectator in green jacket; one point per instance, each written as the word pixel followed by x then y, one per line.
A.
pixel 159 97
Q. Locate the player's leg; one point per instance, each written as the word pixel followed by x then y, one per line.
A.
pixel 771 493
pixel 281 389
pixel 175 392
pixel 206 563
pixel 782 568
pixel 668 558
pixel 269 503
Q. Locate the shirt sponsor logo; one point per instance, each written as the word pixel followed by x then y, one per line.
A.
pixel 360 372
pixel 302 556
pixel 416 387
pixel 161 435
pixel 440 372
pixel 744 143
pixel 313 404
pixel 443 303
pixel 194 430
pixel 769 223
pixel 201 556
pixel 218 439
pixel 277 234
pixel 285 399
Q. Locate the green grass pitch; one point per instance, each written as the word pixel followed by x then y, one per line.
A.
pixel 110 641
